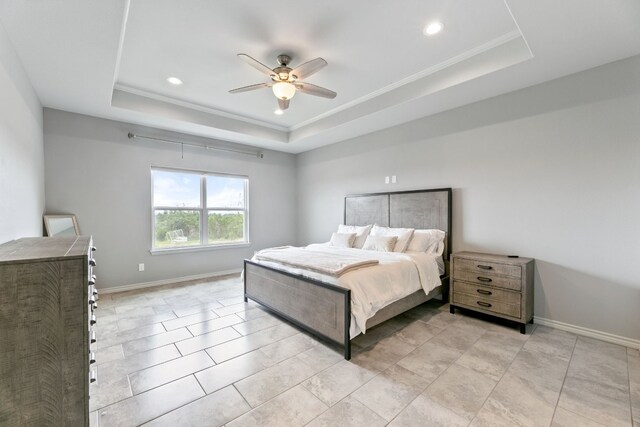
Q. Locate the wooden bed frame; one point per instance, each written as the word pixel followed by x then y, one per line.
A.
pixel 324 309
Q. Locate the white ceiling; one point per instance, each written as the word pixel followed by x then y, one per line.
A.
pixel 111 58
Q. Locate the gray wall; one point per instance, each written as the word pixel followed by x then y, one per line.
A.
pixel 95 172
pixel 21 150
pixel 550 172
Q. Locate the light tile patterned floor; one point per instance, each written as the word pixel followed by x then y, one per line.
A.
pixel 195 354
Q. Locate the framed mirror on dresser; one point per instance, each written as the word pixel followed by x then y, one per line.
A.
pixel 61 225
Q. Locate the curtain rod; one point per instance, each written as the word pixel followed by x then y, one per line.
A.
pixel 257 154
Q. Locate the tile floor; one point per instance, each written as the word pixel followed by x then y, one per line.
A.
pixel 195 354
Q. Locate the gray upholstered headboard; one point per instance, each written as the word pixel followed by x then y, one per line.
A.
pixel 423 209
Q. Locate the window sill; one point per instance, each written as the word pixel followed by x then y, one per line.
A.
pixel 167 251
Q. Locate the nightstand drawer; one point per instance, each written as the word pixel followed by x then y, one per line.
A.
pixel 488 304
pixel 486 292
pixel 488 278
pixel 486 267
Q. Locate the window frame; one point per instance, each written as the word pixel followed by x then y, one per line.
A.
pixel 203 209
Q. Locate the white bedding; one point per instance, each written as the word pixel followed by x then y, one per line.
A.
pixel 372 288
pixel 320 261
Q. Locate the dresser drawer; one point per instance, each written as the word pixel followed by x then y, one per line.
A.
pixel 486 303
pixel 486 267
pixel 489 278
pixel 487 292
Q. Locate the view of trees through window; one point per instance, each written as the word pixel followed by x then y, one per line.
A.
pixel 226 227
pixel 198 209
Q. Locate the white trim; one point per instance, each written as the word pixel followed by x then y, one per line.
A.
pixel 591 333
pixel 491 44
pixel 167 281
pixel 123 30
pixel 198 107
pixel 519 29
pixel 485 47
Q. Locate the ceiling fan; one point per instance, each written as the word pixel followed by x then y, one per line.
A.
pixel 285 81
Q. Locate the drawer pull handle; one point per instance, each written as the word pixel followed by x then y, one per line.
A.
pixel 92 262
pixel 92 281
pixel 93 294
pixel 93 248
pixel 93 319
pixel 92 338
pixel 484 279
pixel 485 267
pixel 483 304
pixel 484 292
pixel 93 376
pixel 92 357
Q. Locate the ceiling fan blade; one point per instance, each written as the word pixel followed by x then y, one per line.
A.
pixel 315 90
pixel 248 88
pixel 283 104
pixel 257 65
pixel 308 68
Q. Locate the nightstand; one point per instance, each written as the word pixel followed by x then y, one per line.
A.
pixel 493 284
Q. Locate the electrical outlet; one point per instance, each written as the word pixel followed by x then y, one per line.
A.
pixel 386 179
pixel 141 267
pixel 393 179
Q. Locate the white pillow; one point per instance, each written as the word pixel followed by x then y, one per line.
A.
pixel 403 235
pixel 429 241
pixel 380 243
pixel 361 233
pixel 342 240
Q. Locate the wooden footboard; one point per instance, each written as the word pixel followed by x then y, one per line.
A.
pixel 318 307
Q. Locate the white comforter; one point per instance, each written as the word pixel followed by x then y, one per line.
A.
pixel 320 261
pixel 372 288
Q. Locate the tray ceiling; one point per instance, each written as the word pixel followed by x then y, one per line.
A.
pixel 112 59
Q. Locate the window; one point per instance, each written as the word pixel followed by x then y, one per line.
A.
pixel 198 209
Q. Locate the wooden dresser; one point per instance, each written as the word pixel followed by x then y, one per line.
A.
pixel 493 284
pixel 47 298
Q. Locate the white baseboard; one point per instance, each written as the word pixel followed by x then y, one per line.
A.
pixel 591 333
pixel 167 281
pixel 578 330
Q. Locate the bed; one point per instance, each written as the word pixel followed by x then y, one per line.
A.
pixel 325 309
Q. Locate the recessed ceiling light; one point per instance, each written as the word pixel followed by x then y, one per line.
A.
pixel 278 112
pixel 174 81
pixel 433 28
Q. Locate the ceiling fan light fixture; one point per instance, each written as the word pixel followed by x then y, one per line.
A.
pixel 433 28
pixel 286 81
pixel 284 90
